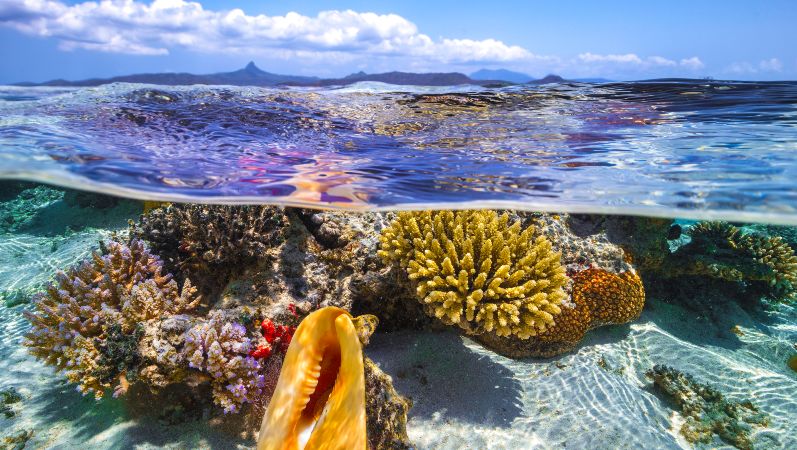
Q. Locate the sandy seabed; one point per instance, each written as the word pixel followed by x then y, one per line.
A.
pixel 468 397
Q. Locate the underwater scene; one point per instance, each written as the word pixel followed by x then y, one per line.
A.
pixel 570 265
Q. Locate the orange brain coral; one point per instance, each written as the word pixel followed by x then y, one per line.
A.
pixel 600 298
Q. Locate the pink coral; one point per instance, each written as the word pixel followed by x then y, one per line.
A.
pixel 221 349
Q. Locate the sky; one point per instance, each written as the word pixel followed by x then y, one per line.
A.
pixel 620 40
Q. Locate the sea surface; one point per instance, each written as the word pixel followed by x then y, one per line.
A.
pixel 686 149
pixel 675 148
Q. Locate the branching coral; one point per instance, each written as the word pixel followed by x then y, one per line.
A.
pixel 71 319
pixel 209 241
pixel 475 270
pixel 720 250
pixel 222 350
pixel 706 410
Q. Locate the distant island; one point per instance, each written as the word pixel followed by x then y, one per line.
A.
pixel 251 75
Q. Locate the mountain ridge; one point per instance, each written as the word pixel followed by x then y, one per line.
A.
pixel 251 75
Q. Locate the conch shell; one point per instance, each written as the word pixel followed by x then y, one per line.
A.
pixel 319 401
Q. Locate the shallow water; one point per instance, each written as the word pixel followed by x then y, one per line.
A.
pixel 688 149
pixel 680 148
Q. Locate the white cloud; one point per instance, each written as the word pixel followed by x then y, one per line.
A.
pixel 771 65
pixel 631 59
pixel 593 58
pixel 327 39
pixel 747 68
pixel 133 27
pixel 693 63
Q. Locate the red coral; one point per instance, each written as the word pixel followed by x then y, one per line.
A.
pixel 292 309
pixel 261 352
pixel 278 336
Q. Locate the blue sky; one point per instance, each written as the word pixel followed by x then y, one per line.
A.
pixel 46 39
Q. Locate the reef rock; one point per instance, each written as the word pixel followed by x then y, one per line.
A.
pixel 706 410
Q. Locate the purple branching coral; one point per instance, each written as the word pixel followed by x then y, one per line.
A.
pixel 71 319
pixel 221 349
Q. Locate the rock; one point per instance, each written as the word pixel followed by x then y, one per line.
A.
pixel 386 411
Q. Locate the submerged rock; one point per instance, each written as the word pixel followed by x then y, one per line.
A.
pixel 706 410
pixel 386 411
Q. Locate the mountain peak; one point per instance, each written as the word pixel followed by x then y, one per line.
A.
pixel 251 67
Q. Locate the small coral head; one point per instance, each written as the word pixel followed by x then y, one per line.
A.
pixel 610 298
pixel 319 401
pixel 476 270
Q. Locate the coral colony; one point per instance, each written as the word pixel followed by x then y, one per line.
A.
pixel 474 270
pixel 520 284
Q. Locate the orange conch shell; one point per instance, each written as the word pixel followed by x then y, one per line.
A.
pixel 319 401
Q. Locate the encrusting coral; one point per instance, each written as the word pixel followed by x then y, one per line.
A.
pixel 72 318
pixel 706 410
pixel 599 298
pixel 475 270
pixel 209 241
pixel 222 349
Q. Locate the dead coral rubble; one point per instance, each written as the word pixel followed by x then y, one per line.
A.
pixel 706 410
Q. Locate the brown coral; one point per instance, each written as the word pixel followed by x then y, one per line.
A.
pixel 208 242
pixel 475 270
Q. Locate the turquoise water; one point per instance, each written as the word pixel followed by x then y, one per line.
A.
pixel 586 165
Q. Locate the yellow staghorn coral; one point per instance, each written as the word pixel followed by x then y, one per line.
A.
pixel 475 270
pixel 776 254
pixel 319 401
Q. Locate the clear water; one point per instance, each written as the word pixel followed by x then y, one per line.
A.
pixel 695 149
pixel 689 149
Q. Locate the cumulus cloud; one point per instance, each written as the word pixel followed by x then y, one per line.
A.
pixel 747 68
pixel 133 27
pixel 631 59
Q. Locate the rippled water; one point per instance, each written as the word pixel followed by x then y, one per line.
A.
pixel 695 149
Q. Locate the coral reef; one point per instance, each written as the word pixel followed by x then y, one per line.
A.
pixel 474 270
pixel 16 441
pixel 581 242
pixel 7 398
pixel 599 298
pixel 644 239
pixel 221 349
pixel 210 242
pixel 72 319
pixel 706 411
pixel 766 265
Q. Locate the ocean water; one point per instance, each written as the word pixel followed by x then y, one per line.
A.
pixel 77 164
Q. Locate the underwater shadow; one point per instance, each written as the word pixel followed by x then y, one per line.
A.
pixel 446 380
pixel 87 417
pixel 160 420
pixel 706 313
